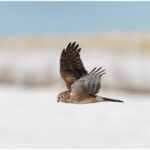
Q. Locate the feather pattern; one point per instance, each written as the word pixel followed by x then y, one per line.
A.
pixel 71 66
pixel 82 86
pixel 89 84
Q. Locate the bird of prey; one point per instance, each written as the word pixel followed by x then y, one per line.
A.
pixel 82 86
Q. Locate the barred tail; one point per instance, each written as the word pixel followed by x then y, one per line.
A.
pixel 104 99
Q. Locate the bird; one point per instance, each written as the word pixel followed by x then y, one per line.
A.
pixel 82 87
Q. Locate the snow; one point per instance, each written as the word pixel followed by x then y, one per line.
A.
pixel 124 70
pixel 32 118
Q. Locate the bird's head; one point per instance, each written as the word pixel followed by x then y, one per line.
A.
pixel 59 98
pixel 63 97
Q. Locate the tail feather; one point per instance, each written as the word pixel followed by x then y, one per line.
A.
pixel 108 99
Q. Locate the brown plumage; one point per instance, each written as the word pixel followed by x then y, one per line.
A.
pixel 82 86
pixel 71 66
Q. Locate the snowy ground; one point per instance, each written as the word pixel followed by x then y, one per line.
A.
pixel 32 118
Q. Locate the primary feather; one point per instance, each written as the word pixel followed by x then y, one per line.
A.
pixel 89 84
pixel 82 86
pixel 71 66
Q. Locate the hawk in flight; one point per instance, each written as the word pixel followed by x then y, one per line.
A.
pixel 82 86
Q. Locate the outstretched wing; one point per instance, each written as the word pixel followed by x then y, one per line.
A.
pixel 89 84
pixel 71 66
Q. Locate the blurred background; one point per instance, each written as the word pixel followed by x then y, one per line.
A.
pixel 114 35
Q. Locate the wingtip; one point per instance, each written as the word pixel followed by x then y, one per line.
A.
pixel 78 50
pixel 69 45
pixel 74 42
